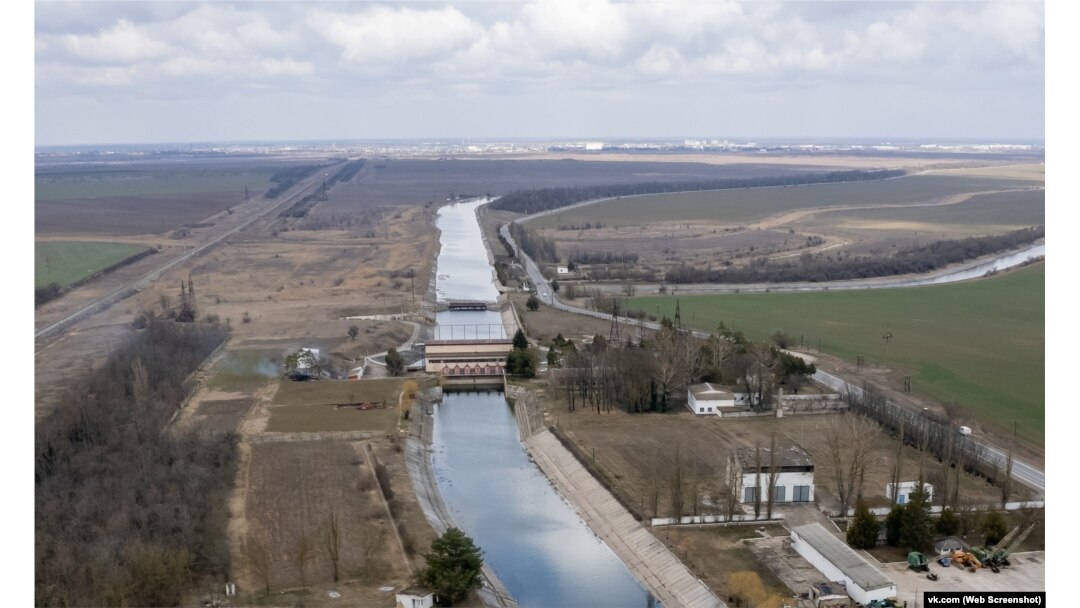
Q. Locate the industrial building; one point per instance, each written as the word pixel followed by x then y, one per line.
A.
pixel 706 399
pixel 794 474
pixel 841 564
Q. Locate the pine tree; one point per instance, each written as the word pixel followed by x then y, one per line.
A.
pixel 520 341
pixel 948 523
pixel 863 531
pixel 917 524
pixel 994 528
pixel 453 566
pixel 893 525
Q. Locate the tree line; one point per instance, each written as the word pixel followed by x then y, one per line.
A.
pixel 543 199
pixel 653 374
pixel 286 178
pixel 127 514
pixel 819 268
pixel 578 256
pixel 539 248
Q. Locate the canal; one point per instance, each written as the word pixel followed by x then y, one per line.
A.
pixel 537 545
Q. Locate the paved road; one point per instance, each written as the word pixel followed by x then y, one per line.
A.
pixel 1021 471
pixel 128 290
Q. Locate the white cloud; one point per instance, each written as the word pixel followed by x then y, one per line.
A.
pixel 380 35
pixel 659 60
pixel 124 43
pixel 589 29
pixel 286 67
pixel 537 51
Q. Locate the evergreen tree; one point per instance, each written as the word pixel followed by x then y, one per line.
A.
pixel 948 523
pixel 994 528
pixel 520 341
pixel 522 363
pixel 533 303
pixel 863 531
pixel 395 365
pixel 893 525
pixel 917 524
pixel 453 567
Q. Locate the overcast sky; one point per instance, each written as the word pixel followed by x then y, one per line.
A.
pixel 137 72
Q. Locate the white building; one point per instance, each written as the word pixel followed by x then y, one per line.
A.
pixel 415 597
pixel 562 270
pixel 594 146
pixel 840 563
pixel 708 399
pixel 794 475
pixel 906 488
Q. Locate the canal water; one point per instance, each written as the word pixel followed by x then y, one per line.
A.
pixel 537 545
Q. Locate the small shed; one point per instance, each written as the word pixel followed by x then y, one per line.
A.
pixel 415 597
pixel 829 595
pixel 562 270
pixel 840 563
pixel 903 496
pixel 710 399
pixel 950 544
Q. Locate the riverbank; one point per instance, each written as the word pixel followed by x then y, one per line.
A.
pixel 651 563
pixel 418 462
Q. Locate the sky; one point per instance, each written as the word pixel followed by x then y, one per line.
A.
pixel 147 72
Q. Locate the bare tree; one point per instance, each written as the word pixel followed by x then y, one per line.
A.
pixel 733 475
pixel 257 558
pixel 772 477
pixel 1006 480
pixel 332 541
pixel 302 554
pixel 678 480
pixel 849 442
pixel 895 479
pixel 757 481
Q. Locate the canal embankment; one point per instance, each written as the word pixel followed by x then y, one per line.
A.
pixel 418 461
pixel 651 563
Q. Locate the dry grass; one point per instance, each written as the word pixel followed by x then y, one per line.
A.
pixel 293 488
pixel 315 406
pixel 712 553
pixel 637 451
pixel 546 322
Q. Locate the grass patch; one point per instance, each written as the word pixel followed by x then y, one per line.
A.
pixel 752 204
pixel 95 185
pixel 309 407
pixel 246 370
pixel 981 342
pixel 65 262
pixel 997 212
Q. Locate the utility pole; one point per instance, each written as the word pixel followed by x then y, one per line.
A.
pixel 888 335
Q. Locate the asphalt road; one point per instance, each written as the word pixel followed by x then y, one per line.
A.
pixel 117 295
pixel 1021 471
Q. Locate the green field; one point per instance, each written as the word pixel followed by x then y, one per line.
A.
pixel 751 204
pixel 983 213
pixel 65 262
pixel 95 185
pixel 980 342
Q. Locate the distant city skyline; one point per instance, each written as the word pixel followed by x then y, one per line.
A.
pixel 140 72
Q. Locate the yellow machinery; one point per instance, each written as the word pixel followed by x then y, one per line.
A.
pixel 966 559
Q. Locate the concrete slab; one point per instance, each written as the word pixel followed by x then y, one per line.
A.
pixel 1027 573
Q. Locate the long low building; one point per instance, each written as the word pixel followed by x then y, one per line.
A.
pixel 840 563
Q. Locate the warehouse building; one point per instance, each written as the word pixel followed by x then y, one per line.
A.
pixel 840 563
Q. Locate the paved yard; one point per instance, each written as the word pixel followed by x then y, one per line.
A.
pixel 1027 573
